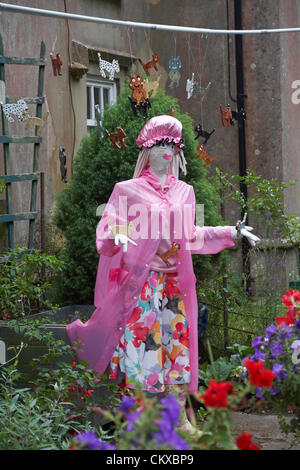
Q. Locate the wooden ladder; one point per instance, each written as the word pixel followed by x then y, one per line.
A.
pixel 9 218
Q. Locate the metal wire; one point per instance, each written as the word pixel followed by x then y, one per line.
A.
pixel 161 27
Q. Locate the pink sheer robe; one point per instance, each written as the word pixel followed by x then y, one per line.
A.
pixel 121 275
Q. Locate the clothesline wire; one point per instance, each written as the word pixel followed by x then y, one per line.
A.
pixel 161 27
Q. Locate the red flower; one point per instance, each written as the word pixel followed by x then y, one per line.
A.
pixel 135 315
pixel 71 389
pixel 244 442
pixel 179 326
pixel 216 394
pixel 74 364
pixel 184 337
pixel 147 291
pixel 291 297
pixel 139 331
pixel 290 316
pixel 258 375
pixel 123 390
pixel 287 320
pixel 171 286
pixel 286 299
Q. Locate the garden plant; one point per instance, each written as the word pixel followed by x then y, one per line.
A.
pixel 61 406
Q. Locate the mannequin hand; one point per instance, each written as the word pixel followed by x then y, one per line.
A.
pixel 124 240
pixel 253 239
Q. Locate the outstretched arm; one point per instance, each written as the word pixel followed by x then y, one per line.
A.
pixel 212 240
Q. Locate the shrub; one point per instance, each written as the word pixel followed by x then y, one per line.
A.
pixel 56 403
pixel 25 280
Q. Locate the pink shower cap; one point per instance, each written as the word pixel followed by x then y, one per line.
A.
pixel 159 129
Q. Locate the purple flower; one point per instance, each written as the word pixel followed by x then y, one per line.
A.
pixel 276 349
pixel 171 411
pixel 170 439
pixel 126 405
pixel 296 344
pixel 278 369
pixel 297 324
pixel 90 440
pixel 271 331
pixel 169 420
pixel 258 356
pixel 132 418
pixel 106 446
pixel 286 332
pixel 257 342
pixel 274 390
pixel 259 393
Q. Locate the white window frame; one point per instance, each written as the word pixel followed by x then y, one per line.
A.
pixel 95 82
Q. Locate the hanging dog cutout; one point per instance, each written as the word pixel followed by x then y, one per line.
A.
pixel 17 110
pixel 239 115
pixel 202 133
pixel 190 86
pixel 139 100
pixel 35 121
pixel 118 136
pixel 200 90
pixel 171 252
pixel 151 86
pixel 56 64
pixel 226 116
pixel 110 67
pixel 63 164
pixel 151 64
pixel 202 154
pixel 174 71
pixel 138 91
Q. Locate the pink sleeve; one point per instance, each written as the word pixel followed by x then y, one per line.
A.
pixel 104 239
pixel 209 240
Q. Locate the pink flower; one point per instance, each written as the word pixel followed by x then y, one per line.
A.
pixel 150 320
pixel 153 279
pixel 152 379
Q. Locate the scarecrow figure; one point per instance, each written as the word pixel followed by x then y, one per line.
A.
pixel 145 323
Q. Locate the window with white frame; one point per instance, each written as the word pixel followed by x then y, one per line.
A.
pixel 101 92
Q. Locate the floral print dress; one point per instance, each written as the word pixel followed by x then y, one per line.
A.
pixel 154 349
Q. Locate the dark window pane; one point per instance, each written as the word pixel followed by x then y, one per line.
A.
pixel 97 95
pixel 88 101
pixel 105 97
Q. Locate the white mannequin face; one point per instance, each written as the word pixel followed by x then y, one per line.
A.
pixel 160 158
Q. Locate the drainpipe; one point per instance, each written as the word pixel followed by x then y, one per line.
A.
pixel 241 127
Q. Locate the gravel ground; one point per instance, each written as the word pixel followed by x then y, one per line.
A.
pixel 264 428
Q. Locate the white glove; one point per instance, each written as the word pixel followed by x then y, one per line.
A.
pixel 253 239
pixel 244 230
pixel 120 237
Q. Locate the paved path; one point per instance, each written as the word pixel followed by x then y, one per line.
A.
pixel 265 430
